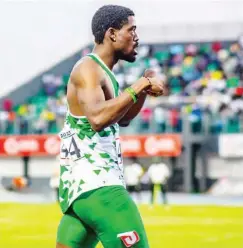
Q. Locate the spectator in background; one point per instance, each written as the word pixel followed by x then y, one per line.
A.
pixel 159 174
pixel 11 116
pixel 7 105
pixel 22 114
pixel 196 119
pixel 175 121
pixel 3 121
pixel 160 119
pixel 40 126
pixel 145 117
pixel 132 175
pixel 60 112
pixel 50 119
pixel 145 182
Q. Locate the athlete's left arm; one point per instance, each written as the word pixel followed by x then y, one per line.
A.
pixel 133 111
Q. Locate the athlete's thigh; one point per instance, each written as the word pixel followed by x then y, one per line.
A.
pixel 114 217
pixel 72 233
pixel 123 226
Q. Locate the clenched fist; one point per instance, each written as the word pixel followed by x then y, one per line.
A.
pixel 157 85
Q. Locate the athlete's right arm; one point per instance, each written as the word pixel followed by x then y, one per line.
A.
pixel 86 79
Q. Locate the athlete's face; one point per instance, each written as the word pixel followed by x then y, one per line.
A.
pixel 126 41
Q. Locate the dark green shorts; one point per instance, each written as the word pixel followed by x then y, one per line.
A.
pixel 106 214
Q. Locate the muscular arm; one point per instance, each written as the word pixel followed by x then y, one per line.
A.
pixel 100 112
pixel 133 111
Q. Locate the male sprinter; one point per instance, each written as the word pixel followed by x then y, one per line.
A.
pixel 93 197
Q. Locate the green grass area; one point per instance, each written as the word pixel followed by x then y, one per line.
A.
pixel 34 226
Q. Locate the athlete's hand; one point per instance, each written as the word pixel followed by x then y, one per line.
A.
pixel 157 86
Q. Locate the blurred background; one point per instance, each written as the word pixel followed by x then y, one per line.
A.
pixel 183 154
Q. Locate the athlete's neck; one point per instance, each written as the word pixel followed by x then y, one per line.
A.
pixel 107 55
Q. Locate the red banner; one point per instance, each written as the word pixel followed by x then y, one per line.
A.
pixel 132 145
pixel 151 145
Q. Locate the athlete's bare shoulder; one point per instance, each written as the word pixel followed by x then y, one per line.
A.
pixel 85 70
pixel 85 85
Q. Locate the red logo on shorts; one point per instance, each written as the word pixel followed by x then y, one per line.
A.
pixel 129 238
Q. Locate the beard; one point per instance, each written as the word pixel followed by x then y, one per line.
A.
pixel 131 57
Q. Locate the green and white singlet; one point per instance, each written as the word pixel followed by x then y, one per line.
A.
pixel 89 159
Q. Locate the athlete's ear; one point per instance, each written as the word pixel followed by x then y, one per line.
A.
pixel 112 34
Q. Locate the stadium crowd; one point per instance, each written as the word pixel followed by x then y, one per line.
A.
pixel 203 79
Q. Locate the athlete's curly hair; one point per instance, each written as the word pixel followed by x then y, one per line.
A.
pixel 109 16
